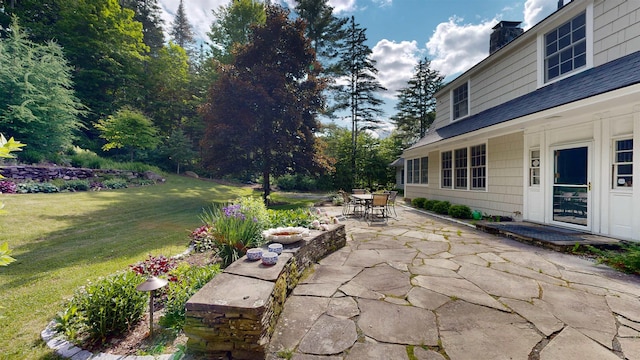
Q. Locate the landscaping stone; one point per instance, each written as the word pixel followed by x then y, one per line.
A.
pixel 371 351
pixel 329 336
pixel 565 344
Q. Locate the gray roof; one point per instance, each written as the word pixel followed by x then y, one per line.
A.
pixel 611 76
pixel 399 162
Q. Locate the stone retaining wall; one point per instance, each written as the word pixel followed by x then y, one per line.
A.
pixel 47 173
pixel 234 315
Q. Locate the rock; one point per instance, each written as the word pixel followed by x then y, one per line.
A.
pixel 191 174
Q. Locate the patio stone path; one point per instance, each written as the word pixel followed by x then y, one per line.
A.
pixel 432 289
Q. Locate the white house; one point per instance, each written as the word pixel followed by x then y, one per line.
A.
pixel 545 126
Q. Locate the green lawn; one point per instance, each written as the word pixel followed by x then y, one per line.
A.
pixel 62 240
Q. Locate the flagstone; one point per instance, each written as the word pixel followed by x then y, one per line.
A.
pixel 385 280
pixel 345 307
pixel 543 320
pixel 532 261
pixel 457 288
pixel 397 324
pixel 426 299
pixel 470 331
pixel 630 347
pixel 329 336
pixel 433 271
pixel 373 351
pixel 565 344
pixel 500 283
pixel 298 315
pixel 625 305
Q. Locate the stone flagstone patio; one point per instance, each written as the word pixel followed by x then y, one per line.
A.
pixel 434 289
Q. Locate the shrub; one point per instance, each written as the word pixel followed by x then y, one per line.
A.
pixel 429 204
pixel 460 212
pixel 189 280
pixel 86 159
pixel 418 202
pixel 154 266
pixel 35 187
pixel 115 184
pixel 75 185
pixel 111 305
pixel 202 239
pixel 8 187
pixel 441 207
pixel 255 209
pixel 291 217
pixel 232 231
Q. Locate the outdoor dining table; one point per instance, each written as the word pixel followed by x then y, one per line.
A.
pixel 363 200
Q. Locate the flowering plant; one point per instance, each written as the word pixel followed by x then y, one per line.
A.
pixel 155 266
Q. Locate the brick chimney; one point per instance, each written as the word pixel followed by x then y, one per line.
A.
pixel 503 33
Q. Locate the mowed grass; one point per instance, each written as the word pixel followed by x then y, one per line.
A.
pixel 61 241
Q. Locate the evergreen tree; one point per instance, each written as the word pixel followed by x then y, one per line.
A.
pixel 325 30
pixel 359 94
pixel 417 103
pixel 233 26
pixel 37 101
pixel 181 30
pixel 147 12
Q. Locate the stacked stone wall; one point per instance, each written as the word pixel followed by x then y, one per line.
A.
pixel 234 315
pixel 47 173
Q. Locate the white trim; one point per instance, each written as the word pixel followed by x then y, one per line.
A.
pixel 451 110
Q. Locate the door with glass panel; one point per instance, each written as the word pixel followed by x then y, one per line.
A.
pixel 571 186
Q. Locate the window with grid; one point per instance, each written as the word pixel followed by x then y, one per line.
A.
pixel 479 167
pixel 461 101
pixel 409 171
pixel 446 169
pixel 534 168
pixel 416 171
pixel 566 48
pixel 460 168
pixel 623 164
pixel 424 170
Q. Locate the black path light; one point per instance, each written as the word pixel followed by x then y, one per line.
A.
pixel 151 284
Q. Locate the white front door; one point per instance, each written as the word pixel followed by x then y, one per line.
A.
pixel 571 203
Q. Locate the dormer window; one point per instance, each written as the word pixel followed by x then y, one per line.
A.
pixel 565 48
pixel 460 103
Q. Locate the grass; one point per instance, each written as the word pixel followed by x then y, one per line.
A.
pixel 61 241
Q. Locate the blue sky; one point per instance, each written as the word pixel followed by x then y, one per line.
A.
pixel 453 34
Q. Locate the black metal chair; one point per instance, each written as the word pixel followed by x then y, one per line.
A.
pixel 377 208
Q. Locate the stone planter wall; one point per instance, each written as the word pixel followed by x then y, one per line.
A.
pixel 234 315
pixel 47 173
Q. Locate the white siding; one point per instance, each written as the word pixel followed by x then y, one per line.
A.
pixel 512 71
pixel 504 179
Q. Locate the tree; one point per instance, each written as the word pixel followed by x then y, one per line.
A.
pixel 37 100
pixel 178 148
pixel 232 27
pixel 261 113
pixel 325 30
pixel 417 103
pixel 181 30
pixel 128 128
pixel 358 95
pixel 147 12
pixel 105 46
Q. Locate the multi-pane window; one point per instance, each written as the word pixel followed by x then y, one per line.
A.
pixel 623 163
pixel 424 170
pixel 460 168
pixel 566 48
pixel 446 169
pixel 458 164
pixel 534 168
pixel 479 167
pixel 417 171
pixel 461 101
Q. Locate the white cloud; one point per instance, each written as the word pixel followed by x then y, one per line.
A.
pixel 536 10
pixel 455 47
pixel 395 63
pixel 383 3
pixel 342 5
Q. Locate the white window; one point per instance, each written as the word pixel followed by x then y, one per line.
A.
pixel 460 103
pixel 446 169
pixel 461 168
pixel 479 167
pixel 456 166
pixel 565 48
pixel 424 170
pixel 534 168
pixel 623 164
pixel 417 171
